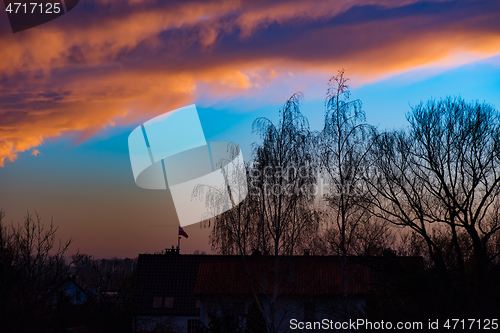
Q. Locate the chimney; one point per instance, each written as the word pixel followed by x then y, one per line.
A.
pixel 172 251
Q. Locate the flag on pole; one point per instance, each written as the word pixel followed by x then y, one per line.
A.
pixel 182 233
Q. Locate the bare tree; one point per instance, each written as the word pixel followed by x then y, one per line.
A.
pixel 277 212
pixel 233 230
pixel 32 268
pixel 441 179
pixel 285 175
pixel 343 153
pixel 106 279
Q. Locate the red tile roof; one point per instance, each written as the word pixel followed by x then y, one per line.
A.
pixel 185 277
pixel 296 275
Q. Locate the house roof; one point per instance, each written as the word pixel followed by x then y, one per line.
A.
pixel 79 283
pixel 166 276
pixel 304 275
pixel 169 284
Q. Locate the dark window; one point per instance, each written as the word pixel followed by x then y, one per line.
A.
pixel 163 302
pixel 156 302
pixel 193 325
pixel 169 302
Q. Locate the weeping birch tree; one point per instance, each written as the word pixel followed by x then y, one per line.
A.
pixel 343 154
pixel 284 176
pixel 278 212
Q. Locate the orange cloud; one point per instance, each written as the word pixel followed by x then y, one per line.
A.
pixel 122 63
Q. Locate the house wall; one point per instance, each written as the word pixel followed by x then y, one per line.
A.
pixel 162 323
pixel 324 307
pixel 237 306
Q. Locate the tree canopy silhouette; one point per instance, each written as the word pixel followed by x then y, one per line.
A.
pixel 441 179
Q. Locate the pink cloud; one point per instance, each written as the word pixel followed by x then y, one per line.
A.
pixel 122 63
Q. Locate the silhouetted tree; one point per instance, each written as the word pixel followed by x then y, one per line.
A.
pixel 277 213
pixel 110 282
pixel 441 179
pixel 343 154
pixel 32 269
pixel 283 180
pixel 343 148
pixel 342 151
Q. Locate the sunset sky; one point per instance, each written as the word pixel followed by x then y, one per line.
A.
pixel 73 89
